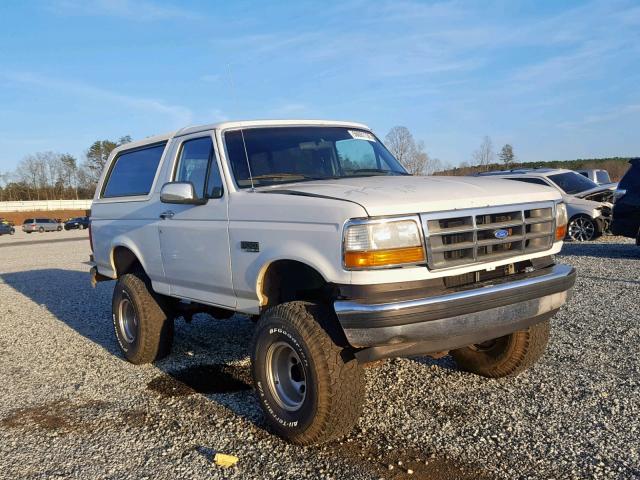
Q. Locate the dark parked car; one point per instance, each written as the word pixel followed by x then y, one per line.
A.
pixel 79 222
pixel 626 207
pixel 6 229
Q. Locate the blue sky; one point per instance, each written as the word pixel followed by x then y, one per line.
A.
pixel 558 80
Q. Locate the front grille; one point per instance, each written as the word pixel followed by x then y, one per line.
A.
pixel 470 237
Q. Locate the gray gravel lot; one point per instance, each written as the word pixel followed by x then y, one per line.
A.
pixel 71 407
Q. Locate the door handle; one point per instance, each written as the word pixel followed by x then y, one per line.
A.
pixel 167 214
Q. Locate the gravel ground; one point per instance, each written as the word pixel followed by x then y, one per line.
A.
pixel 71 407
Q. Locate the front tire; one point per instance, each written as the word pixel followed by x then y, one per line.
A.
pixel 582 229
pixel 505 356
pixel 310 386
pixel 143 329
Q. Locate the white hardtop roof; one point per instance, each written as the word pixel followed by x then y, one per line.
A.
pixel 235 125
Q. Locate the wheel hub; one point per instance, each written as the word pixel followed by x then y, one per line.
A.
pixel 286 377
pixel 581 229
pixel 127 320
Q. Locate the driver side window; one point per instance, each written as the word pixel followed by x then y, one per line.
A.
pixel 197 164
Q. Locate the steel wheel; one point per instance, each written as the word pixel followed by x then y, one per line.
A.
pixel 127 320
pixel 582 229
pixel 286 376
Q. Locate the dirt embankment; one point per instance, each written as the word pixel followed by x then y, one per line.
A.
pixel 19 217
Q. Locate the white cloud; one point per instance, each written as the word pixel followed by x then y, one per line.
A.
pixel 179 115
pixel 290 109
pixel 211 77
pixel 603 117
pixel 217 115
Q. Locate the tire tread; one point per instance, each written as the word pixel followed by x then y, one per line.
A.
pixel 524 348
pixel 156 330
pixel 340 402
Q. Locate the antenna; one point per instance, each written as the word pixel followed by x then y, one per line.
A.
pixel 244 144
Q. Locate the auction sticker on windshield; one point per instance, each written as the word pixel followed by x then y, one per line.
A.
pixel 360 135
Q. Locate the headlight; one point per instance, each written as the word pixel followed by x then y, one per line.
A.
pixel 382 243
pixel 561 221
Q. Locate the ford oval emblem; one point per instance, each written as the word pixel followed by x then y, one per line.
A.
pixel 501 233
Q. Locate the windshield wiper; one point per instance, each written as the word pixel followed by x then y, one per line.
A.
pixel 377 170
pixel 280 175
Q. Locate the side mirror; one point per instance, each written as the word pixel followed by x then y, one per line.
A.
pixel 180 192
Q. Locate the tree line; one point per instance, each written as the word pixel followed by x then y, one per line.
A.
pixel 417 161
pixel 58 176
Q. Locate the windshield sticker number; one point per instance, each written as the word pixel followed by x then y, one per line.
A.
pixel 360 135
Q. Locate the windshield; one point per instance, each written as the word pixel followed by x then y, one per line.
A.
pixel 280 155
pixel 572 182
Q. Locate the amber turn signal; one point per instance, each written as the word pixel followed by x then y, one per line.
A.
pixel 561 232
pixel 383 258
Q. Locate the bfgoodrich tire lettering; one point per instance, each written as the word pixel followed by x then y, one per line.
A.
pixel 150 336
pixel 505 356
pixel 334 384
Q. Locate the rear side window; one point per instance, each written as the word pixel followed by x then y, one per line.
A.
pixel 28 220
pixel 133 172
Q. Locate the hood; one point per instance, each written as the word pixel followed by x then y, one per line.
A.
pixel 600 188
pixel 399 195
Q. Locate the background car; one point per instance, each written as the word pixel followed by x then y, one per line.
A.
pixel 6 229
pixel 588 204
pixel 78 222
pixel 596 175
pixel 626 207
pixel 41 225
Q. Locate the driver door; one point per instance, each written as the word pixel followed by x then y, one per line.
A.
pixel 194 239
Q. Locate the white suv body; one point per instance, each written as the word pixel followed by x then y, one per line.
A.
pixel 269 217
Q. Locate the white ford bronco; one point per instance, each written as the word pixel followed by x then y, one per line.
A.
pixel 315 230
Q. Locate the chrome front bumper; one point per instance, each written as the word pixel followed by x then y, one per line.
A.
pixel 453 320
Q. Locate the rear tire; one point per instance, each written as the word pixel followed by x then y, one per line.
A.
pixel 310 386
pixel 41 230
pixel 143 329
pixel 505 356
